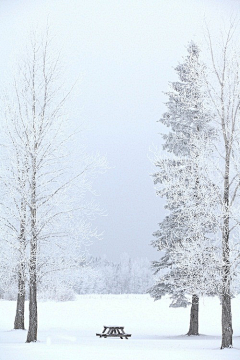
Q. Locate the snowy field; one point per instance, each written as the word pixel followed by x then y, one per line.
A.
pixel 67 330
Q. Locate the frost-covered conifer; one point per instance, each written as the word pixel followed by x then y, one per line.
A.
pixel 183 181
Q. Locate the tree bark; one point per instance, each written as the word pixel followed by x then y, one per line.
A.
pixel 227 330
pixel 33 323
pixel 19 318
pixel 193 328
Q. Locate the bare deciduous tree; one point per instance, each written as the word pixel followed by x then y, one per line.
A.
pixel 224 89
pixel 53 217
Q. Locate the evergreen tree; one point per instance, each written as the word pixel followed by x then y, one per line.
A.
pixel 184 183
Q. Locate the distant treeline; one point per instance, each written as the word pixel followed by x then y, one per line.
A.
pixel 128 276
pixel 97 276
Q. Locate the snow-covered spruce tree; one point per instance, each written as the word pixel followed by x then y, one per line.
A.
pixel 186 239
pixel 223 90
pixel 58 221
pixel 183 180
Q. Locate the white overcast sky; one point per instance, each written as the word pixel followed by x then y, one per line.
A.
pixel 124 53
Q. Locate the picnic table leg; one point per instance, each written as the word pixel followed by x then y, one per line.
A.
pixel 123 332
pixel 104 329
pixel 110 331
pixel 113 332
pixel 119 332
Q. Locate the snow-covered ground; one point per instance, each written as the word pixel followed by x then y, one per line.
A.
pixel 67 330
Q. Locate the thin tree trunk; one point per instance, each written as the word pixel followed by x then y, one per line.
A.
pixel 227 330
pixel 33 323
pixel 19 318
pixel 193 328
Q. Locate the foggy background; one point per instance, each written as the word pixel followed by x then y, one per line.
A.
pixel 124 54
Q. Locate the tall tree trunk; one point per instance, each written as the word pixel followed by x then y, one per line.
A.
pixel 33 323
pixel 193 328
pixel 227 330
pixel 19 317
pixel 32 330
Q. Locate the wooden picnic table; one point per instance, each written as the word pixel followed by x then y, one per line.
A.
pixel 113 331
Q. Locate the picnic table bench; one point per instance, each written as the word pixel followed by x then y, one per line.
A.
pixel 113 331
